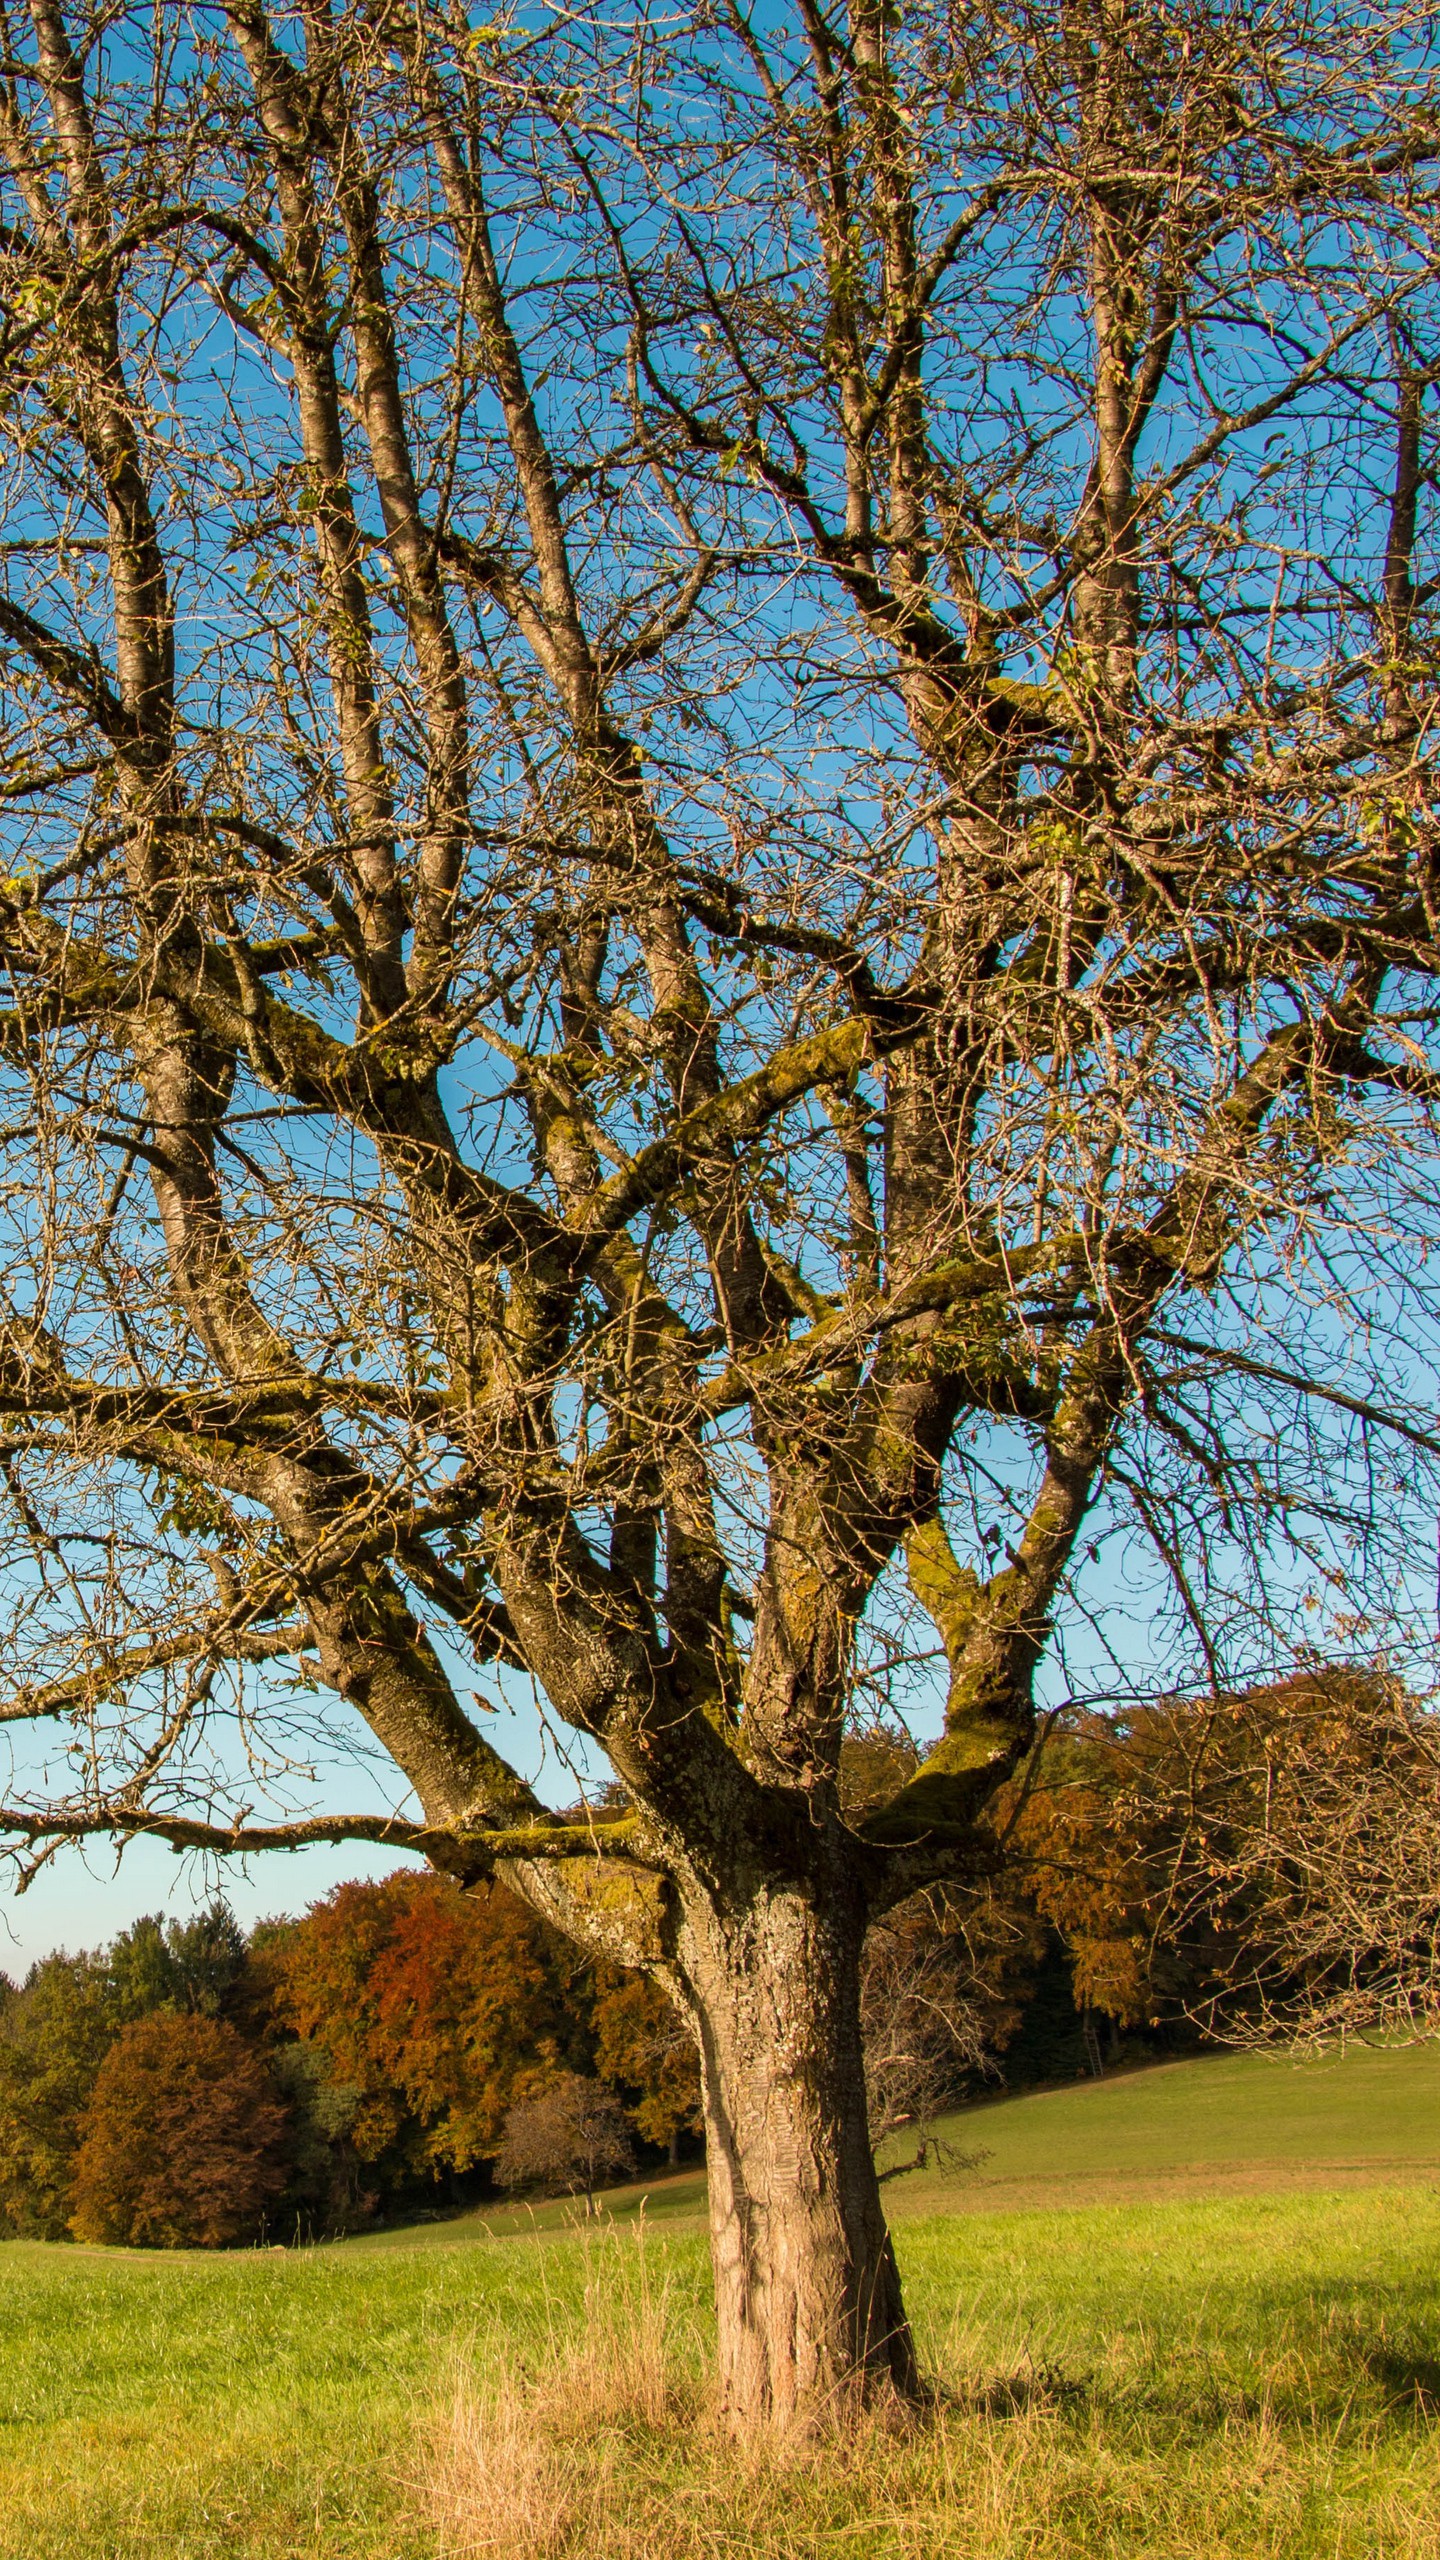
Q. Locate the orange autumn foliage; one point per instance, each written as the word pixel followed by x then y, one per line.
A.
pixel 1191 1852
pixel 643 2046
pixel 1082 1862
pixel 438 2009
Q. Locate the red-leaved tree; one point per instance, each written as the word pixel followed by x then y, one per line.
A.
pixel 439 2009
pixel 183 2139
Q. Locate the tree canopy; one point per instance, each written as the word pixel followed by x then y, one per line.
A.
pixel 720 922
pixel 183 2140
pixel 439 2013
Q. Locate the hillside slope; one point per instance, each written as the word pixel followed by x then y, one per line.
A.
pixel 1210 2125
pixel 1215 2122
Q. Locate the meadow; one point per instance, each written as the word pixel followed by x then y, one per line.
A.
pixel 1193 2311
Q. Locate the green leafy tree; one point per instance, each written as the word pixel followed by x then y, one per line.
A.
pixel 55 2032
pixel 197 1965
pixel 328 2188
pixel 57 2028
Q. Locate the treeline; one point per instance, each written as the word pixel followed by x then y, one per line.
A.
pixel 405 2046
pixel 190 2086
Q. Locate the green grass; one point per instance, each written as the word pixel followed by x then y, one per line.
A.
pixel 1179 2374
pixel 1257 2121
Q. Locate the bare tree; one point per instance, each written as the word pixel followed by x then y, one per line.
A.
pixel 720 897
pixel 570 2140
pixel 1288 1840
pixel 930 2022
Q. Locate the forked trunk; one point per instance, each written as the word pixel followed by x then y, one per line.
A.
pixel 807 2292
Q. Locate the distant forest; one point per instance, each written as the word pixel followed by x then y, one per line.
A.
pixel 407 2048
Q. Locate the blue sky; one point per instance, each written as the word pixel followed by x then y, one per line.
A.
pixel 86 1895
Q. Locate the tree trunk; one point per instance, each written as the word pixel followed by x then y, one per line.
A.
pixel 807 2293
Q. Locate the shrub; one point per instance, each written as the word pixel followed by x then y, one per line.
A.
pixel 183 2139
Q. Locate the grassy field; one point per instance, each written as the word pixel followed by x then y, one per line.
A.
pixel 1190 2313
pixel 1223 2122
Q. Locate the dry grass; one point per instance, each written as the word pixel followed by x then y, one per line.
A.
pixel 531 2452
pixel 601 2442
pixel 516 2473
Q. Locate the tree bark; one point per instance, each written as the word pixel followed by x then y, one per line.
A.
pixel 809 2312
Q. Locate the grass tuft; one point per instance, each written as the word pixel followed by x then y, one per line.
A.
pixel 531 2450
pixel 1209 2385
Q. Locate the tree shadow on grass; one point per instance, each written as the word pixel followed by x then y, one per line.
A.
pixel 1410 2382
pixel 1014 2395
